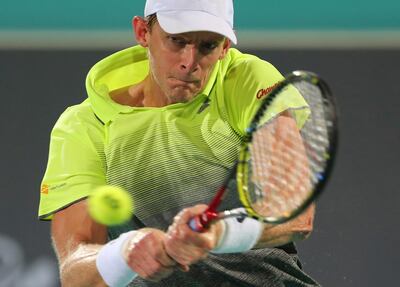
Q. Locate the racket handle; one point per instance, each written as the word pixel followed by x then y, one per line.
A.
pixel 200 223
pixel 196 225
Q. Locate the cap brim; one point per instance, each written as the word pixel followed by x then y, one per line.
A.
pixel 176 22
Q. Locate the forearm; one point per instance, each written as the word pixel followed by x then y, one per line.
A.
pixel 79 267
pixel 280 235
pixel 298 228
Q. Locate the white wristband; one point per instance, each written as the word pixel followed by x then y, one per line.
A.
pixel 111 264
pixel 238 236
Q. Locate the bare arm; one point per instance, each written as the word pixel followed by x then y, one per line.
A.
pixel 298 228
pixel 78 239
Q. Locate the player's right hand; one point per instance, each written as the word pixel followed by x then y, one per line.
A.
pixel 145 254
pixel 186 246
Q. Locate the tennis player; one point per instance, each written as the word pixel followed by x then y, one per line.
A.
pixel 164 120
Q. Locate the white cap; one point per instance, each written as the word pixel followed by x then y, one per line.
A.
pixel 181 16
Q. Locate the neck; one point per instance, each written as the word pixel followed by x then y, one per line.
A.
pixel 153 96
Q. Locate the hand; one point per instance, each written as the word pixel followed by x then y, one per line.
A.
pixel 186 246
pixel 145 253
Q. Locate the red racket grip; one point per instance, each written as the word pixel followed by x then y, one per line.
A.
pixel 200 223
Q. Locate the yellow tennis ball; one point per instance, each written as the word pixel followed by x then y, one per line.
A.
pixel 110 205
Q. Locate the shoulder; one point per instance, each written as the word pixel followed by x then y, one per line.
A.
pixel 244 74
pixel 241 64
pixel 79 114
pixel 78 120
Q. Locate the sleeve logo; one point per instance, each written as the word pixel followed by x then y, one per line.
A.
pixel 263 92
pixel 44 189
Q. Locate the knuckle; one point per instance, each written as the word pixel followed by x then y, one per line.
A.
pixel 179 216
pixel 149 237
pixel 180 213
pixel 200 208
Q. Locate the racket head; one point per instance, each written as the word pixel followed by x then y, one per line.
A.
pixel 276 185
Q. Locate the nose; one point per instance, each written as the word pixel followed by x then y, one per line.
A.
pixel 189 58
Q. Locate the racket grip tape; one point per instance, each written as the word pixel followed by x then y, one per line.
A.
pixel 196 225
pixel 201 222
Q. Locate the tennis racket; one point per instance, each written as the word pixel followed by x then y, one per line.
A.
pixel 282 167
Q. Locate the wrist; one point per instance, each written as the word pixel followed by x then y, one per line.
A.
pixel 111 264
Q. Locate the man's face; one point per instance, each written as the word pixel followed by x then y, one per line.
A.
pixel 180 64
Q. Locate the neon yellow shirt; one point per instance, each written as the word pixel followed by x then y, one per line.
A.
pixel 167 157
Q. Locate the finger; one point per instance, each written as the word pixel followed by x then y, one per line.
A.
pixel 161 274
pixel 142 254
pixel 164 259
pixel 187 259
pixel 156 275
pixel 152 268
pixel 186 214
pixel 155 249
pixel 139 268
pixel 184 268
pixel 183 253
pixel 172 229
pixel 139 271
pixel 186 235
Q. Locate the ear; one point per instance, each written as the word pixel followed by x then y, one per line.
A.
pixel 225 48
pixel 141 30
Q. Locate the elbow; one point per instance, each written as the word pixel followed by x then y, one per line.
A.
pixel 303 231
pixel 302 234
pixel 305 224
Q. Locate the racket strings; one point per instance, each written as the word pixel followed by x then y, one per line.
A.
pixel 277 170
pixel 315 131
pixel 285 162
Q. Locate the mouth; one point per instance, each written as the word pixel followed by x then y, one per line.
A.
pixel 185 81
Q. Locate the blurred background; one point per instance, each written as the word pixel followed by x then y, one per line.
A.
pixel 47 47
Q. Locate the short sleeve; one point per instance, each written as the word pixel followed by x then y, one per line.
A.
pixel 75 163
pixel 248 82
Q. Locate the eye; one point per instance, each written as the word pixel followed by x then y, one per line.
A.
pixel 208 47
pixel 179 41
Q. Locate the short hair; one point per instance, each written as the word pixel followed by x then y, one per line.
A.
pixel 151 20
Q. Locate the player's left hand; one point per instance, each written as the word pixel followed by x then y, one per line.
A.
pixel 186 246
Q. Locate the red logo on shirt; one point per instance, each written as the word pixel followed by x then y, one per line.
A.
pixel 262 92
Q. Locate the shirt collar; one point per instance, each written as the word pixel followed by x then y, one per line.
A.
pixel 98 89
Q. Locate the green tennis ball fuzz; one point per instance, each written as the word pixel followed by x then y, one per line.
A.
pixel 110 205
